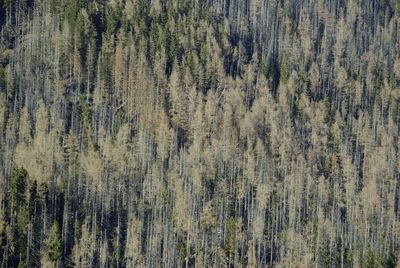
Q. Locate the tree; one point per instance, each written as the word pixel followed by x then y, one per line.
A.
pixel 17 190
pixel 55 243
pixel 373 260
pixel 18 213
pixel 178 98
pixel 199 133
pixel 396 7
pixel 231 239
pixel 132 249
pixel 284 70
pixel 25 127
pixel 3 81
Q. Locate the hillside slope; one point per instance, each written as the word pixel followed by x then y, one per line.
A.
pixel 209 133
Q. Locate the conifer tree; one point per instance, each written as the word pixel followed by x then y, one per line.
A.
pixel 55 243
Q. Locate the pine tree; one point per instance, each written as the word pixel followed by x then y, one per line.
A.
pixel 17 190
pixel 55 243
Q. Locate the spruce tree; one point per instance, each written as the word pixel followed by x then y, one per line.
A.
pixel 55 243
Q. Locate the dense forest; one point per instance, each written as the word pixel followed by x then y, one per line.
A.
pixel 200 133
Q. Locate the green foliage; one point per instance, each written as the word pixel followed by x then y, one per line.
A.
pixel 333 141
pixel 396 7
pixel 171 44
pixel 373 259
pixel 33 197
pixel 142 9
pixel 264 67
pixel 3 81
pixel 78 229
pixel 185 6
pixel 79 27
pixel 296 110
pixel 347 255
pixel 18 211
pixel 155 36
pixel 231 232
pixel 203 56
pixel 54 6
pixel 21 230
pixel 391 261
pixel 330 114
pixel 379 75
pixel 141 17
pixel 325 258
pixel 141 206
pixel 204 13
pixel 85 34
pixel 6 4
pixel 326 165
pixel 348 258
pixel 304 79
pixel 112 21
pixel 284 70
pixel 17 189
pixel 55 243
pixel 190 62
pixel 21 264
pixel 85 112
pixel 182 249
pixel 86 121
pixel 72 9
pixel 292 24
